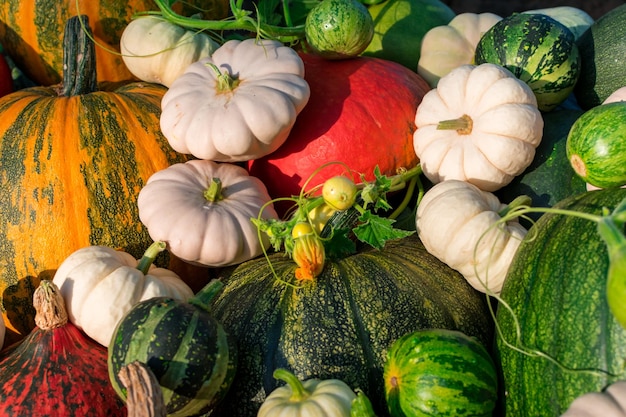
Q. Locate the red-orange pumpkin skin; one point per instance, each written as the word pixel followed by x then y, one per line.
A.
pixel 361 112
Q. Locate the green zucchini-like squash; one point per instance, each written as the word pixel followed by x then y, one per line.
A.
pixel 341 324
pixel 556 288
pixel 539 50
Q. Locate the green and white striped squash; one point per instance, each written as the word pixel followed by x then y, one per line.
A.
pixel 538 50
pixel 186 348
pixel 341 324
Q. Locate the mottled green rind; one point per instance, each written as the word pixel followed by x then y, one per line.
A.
pixel 441 373
pixel 338 29
pixel 538 50
pixel 603 64
pixel 192 357
pixel 598 138
pixel 341 324
pixel 556 287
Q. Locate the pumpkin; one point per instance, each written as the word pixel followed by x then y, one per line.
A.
pixel 56 370
pixel 186 348
pixel 481 125
pixel 610 402
pixel 144 394
pixel 30 32
pixel 573 18
pixel 203 210
pixel 156 50
pixel 345 122
pixel 101 284
pixel 340 324
pixel 238 104
pixel 323 398
pixel 72 165
pixel 558 337
pixel 617 95
pixel 460 224
pixel 449 46
pixel 440 372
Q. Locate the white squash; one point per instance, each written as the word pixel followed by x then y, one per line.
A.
pixel 480 124
pixel 157 51
pixel 573 18
pixel 609 403
pixel 456 222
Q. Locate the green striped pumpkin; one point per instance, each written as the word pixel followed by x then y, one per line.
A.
pixel 556 288
pixel 339 325
pixel 188 351
pixel 72 163
pixel 538 50
pixel 440 372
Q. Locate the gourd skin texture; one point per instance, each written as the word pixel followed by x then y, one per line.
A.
pixel 506 127
pixel 556 288
pixel 201 118
pixel 341 324
pixel 158 51
pixel 455 221
pixel 101 284
pixel 175 210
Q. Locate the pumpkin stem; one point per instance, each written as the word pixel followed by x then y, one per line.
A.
pixel 522 200
pixel 150 255
pixel 213 194
pixel 144 397
pixel 49 304
pixel 79 58
pixel 225 82
pixel 299 393
pixel 205 296
pixel 463 125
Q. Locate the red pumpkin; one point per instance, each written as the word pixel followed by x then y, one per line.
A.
pixel 361 112
pixel 6 81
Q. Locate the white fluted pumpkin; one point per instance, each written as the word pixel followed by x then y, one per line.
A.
pixel 611 402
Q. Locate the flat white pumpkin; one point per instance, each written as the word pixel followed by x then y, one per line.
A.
pixel 202 209
pixel 480 124
pixel 239 104
pixel 609 403
pixel 457 223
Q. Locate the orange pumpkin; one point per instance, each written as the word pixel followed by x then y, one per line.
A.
pixel 72 163
pixel 30 29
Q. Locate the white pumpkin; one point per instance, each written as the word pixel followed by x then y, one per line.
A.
pixel 573 18
pixel 157 51
pixel 239 104
pixel 480 124
pixel 202 209
pixel 457 223
pixel 609 403
pixel 101 284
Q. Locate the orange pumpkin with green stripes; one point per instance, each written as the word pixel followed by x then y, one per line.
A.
pixel 29 30
pixel 72 163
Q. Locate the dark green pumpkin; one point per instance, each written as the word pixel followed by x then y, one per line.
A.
pixel 556 288
pixel 341 324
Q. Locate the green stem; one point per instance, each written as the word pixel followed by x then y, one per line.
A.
pixel 225 82
pixel 150 255
pixel 241 21
pixel 463 125
pixel 213 194
pixel 519 201
pixel 79 58
pixel 298 390
pixel 205 296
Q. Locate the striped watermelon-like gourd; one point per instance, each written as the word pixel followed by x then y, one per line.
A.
pixel 339 325
pixel 538 50
pixel 556 288
pixel 72 163
pixel 188 351
pixel 440 372
pixel 29 30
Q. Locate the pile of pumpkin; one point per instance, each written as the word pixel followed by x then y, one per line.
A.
pixel 274 219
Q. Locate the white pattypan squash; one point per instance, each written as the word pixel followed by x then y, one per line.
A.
pixel 101 284
pixel 449 46
pixel 480 124
pixel 157 51
pixel 573 18
pixel 457 223
pixel 609 403
pixel 202 209
pixel 239 104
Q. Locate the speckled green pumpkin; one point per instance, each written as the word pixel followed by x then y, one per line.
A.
pixel 341 324
pixel 188 351
pixel 539 50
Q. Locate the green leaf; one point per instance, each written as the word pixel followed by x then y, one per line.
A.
pixel 375 230
pixel 339 245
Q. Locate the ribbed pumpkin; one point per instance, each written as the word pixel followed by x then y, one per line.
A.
pixel 72 163
pixel 30 30
pixel 339 325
